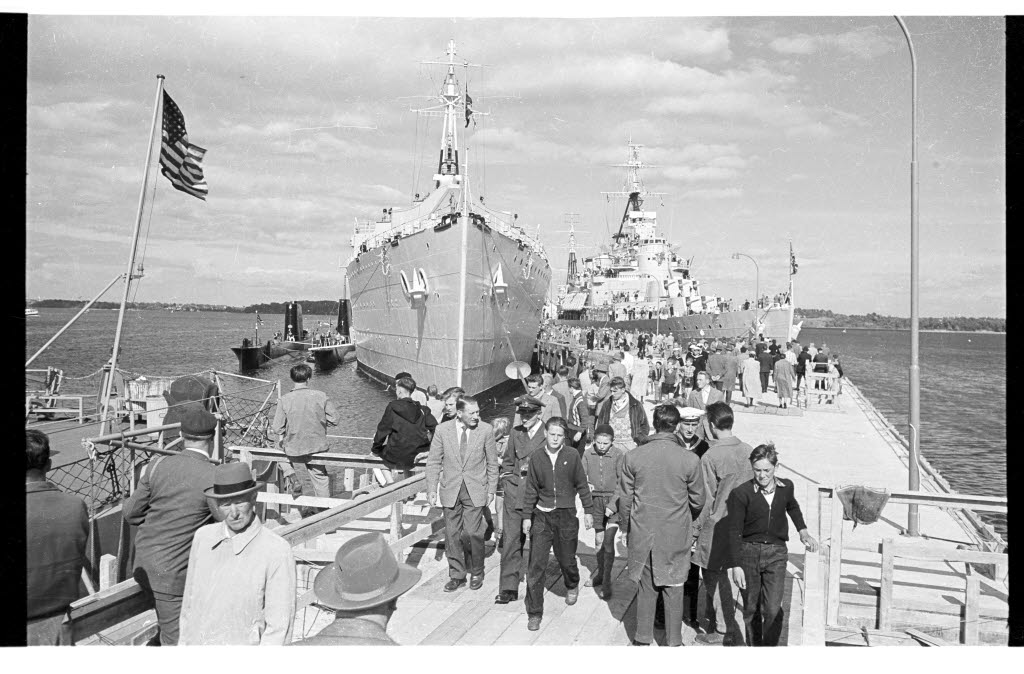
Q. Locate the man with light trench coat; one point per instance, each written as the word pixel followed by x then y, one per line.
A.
pixel 662 493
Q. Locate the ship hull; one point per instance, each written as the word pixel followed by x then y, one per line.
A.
pixel 778 325
pixel 395 331
pixel 328 357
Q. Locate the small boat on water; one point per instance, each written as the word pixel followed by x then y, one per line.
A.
pixel 29 311
pixel 251 357
pixel 336 348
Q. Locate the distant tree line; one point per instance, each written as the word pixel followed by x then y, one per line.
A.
pixel 311 307
pixel 824 318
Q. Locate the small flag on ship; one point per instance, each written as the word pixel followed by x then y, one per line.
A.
pixel 181 162
pixel 792 261
pixel 469 111
pixel 259 321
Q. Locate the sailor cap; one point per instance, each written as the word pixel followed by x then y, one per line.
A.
pixel 690 414
pixel 527 402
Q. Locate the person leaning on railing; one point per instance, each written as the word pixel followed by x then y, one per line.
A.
pixel 757 534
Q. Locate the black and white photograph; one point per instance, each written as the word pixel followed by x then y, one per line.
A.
pixel 524 325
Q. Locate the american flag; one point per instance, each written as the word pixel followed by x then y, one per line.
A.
pixel 180 160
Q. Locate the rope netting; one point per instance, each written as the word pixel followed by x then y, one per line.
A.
pixel 246 404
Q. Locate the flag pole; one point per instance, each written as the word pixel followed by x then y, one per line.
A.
pixel 112 365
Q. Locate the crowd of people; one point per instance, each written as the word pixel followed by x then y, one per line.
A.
pixel 216 575
pixel 629 306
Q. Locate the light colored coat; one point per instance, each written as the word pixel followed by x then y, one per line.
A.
pixel 661 488
pixel 447 466
pixel 751 378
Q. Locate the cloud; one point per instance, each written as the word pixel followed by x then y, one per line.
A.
pixel 864 44
pixel 724 193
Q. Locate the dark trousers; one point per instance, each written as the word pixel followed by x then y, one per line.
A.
pixel 691 590
pixel 646 603
pixel 764 568
pixel 512 540
pixel 764 382
pixel 560 530
pixel 464 529
pixel 167 606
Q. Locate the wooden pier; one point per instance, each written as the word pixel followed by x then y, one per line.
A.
pixel 869 585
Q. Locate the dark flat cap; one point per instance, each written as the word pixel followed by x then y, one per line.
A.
pixel 196 422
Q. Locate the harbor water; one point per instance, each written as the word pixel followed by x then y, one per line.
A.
pixel 963 378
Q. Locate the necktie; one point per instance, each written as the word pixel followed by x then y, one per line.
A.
pixel 462 443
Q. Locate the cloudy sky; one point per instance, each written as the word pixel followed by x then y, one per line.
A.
pixel 761 130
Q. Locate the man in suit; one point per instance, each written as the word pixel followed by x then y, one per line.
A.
pixel 168 507
pixel 56 530
pixel 764 359
pixel 561 388
pixel 661 493
pixel 717 367
pixel 525 439
pixel 732 370
pixel 704 395
pixel 463 459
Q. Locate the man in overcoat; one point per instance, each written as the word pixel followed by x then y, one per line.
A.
pixel 464 461
pixel 662 492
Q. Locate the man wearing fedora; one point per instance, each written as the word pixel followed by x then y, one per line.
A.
pixel 464 461
pixel 362 587
pixel 168 506
pixel 240 585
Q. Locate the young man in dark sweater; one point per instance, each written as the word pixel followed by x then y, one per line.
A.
pixel 758 532
pixel 553 479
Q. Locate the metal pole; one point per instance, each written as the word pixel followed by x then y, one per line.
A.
pixel 69 323
pixel 913 516
pixel 757 279
pixel 131 258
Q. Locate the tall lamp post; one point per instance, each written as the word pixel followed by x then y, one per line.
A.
pixel 913 516
pixel 757 277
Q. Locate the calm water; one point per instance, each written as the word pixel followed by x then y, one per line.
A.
pixel 963 377
pixel 963 397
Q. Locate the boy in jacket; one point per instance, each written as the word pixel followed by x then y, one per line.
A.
pixel 603 463
pixel 405 430
pixel 554 478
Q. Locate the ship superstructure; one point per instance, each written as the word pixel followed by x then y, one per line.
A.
pixel 640 282
pixel 448 288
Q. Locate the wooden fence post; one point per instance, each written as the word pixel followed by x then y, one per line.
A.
pixel 835 558
pixel 350 480
pixel 885 591
pixel 971 606
pixel 108 571
pixel 396 521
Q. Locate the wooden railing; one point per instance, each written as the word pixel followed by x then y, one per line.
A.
pixel 126 600
pixel 822 570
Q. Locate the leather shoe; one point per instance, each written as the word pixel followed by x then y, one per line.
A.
pixel 533 624
pixel 506 596
pixel 454 584
pixel 639 643
pixel 572 595
pixel 712 639
pixel 476 582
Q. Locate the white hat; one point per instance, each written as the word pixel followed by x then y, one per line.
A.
pixel 690 413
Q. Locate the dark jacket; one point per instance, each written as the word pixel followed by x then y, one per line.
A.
pixel 512 473
pixel 750 520
pixel 765 359
pixel 578 407
pixel 169 506
pixel 637 418
pixel 56 531
pixel 349 632
pixel 405 429
pixel 555 486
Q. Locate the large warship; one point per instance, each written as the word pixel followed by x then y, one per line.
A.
pixel 640 282
pixel 448 289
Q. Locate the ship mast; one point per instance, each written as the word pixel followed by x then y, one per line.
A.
pixel 634 186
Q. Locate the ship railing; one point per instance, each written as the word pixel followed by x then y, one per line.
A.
pixel 120 612
pixel 822 570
